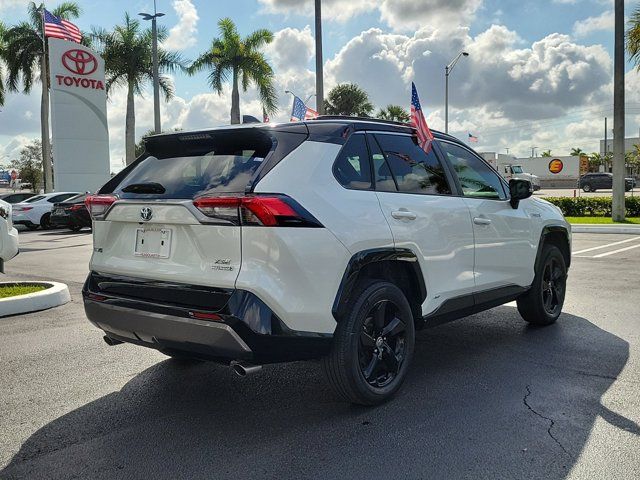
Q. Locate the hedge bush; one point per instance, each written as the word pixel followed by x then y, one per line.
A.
pixel 592 206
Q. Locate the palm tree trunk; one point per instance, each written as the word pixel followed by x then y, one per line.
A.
pixel 130 128
pixel 44 126
pixel 235 100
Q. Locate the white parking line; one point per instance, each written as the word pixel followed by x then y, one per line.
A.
pixel 616 251
pixel 606 246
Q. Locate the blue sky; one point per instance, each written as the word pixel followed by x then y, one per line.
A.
pixel 539 72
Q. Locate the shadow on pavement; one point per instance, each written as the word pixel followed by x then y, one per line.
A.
pixel 487 397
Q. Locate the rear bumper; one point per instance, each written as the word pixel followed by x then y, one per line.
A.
pixel 214 324
pixel 167 332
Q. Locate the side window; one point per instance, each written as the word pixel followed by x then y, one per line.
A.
pixel 352 168
pixel 476 177
pixel 381 170
pixel 414 170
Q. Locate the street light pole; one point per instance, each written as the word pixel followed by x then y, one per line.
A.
pixel 618 200
pixel 154 53
pixel 447 71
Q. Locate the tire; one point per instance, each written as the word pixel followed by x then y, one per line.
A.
pixel 75 228
pixel 542 304
pixel 360 345
pixel 587 188
pixel 32 227
pixel 45 221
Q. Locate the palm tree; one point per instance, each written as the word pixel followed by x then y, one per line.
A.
pixel 595 160
pixel 25 58
pixel 633 37
pixel 240 58
pixel 395 113
pixel 348 99
pixel 576 152
pixel 546 153
pixel 129 63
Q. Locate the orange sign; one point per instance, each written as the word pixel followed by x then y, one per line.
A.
pixel 556 165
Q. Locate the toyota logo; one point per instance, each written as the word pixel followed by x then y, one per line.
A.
pixel 146 213
pixel 79 62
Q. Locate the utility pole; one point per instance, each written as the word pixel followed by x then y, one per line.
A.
pixel 618 201
pixel 154 53
pixel 606 137
pixel 319 66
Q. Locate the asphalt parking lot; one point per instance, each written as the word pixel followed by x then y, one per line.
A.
pixel 486 397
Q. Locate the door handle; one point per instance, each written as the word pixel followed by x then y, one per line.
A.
pixel 403 215
pixel 481 221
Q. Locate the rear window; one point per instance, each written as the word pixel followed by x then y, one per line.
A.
pixel 181 168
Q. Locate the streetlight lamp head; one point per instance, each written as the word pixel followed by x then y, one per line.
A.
pixel 146 16
pixel 466 54
pixel 162 15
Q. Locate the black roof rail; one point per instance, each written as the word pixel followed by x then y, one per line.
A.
pixel 360 119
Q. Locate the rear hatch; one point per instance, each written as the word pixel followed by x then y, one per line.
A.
pixel 173 215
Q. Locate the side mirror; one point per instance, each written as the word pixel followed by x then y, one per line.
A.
pixel 519 190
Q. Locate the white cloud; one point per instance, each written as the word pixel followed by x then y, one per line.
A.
pixel 409 15
pixel 291 49
pixel 183 34
pixel 7 4
pixel 605 21
pixel 340 10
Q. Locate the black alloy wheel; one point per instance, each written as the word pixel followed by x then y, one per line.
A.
pixel 586 187
pixel 382 345
pixel 553 286
pixel 542 304
pixel 372 345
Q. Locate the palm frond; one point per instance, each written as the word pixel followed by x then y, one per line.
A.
pixel 258 39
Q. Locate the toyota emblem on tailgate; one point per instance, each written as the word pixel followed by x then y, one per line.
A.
pixel 146 213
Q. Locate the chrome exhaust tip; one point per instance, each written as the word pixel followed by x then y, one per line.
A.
pixel 244 369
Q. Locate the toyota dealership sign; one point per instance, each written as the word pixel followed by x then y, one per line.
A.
pixel 78 117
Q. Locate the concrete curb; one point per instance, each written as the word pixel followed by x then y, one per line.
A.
pixel 621 229
pixel 56 294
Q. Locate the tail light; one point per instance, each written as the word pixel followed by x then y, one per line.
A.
pixel 99 204
pixel 22 209
pixel 257 210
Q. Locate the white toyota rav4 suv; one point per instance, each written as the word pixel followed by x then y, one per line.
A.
pixel 334 238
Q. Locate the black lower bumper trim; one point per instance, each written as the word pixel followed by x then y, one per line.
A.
pixel 236 327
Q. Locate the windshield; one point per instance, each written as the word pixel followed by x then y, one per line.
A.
pixel 516 169
pixel 34 199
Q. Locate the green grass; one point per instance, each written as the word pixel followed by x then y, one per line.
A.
pixel 602 220
pixel 7 291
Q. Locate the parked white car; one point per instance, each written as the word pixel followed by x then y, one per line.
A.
pixel 36 211
pixel 8 235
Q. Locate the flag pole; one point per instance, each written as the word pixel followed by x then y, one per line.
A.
pixel 44 113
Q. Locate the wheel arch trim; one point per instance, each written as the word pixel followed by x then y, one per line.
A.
pixel 364 258
pixel 549 230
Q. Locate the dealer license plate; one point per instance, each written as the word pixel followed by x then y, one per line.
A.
pixel 153 242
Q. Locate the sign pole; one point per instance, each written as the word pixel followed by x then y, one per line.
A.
pixel 44 115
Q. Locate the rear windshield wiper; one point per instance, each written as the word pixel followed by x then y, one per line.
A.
pixel 151 187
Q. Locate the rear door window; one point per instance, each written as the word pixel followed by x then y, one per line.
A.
pixel 35 199
pixel 414 170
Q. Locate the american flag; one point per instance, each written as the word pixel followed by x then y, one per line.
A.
pixel 57 27
pixel 425 137
pixel 301 112
pixel 473 138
